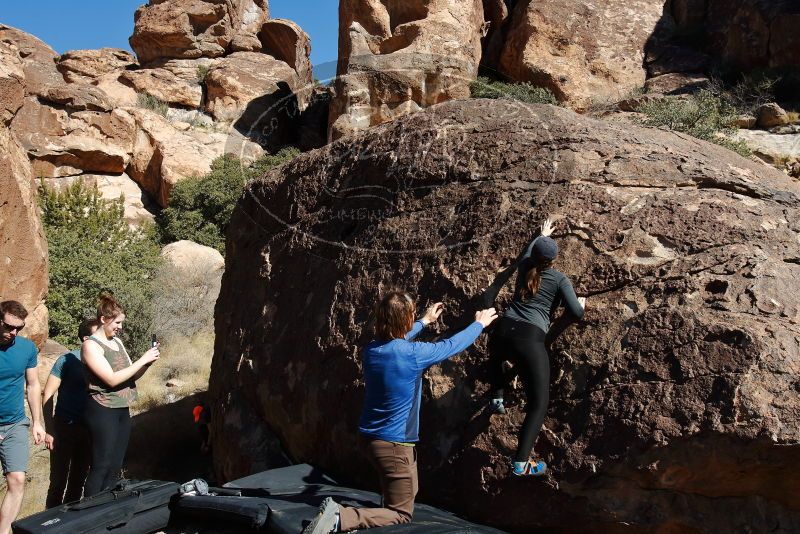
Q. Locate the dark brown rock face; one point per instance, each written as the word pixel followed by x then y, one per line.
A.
pixel 674 404
pixel 745 34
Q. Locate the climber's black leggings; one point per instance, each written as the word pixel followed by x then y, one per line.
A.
pixel 523 345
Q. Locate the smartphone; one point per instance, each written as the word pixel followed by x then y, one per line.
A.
pixel 153 340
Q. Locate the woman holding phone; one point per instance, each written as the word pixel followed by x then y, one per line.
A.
pixel 111 380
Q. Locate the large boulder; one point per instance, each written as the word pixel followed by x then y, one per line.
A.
pixel 177 82
pixel 187 256
pixel 674 403
pixel 772 148
pixel 163 155
pixel 61 143
pixel 37 58
pixel 89 65
pixel 189 29
pixel 240 79
pixel 582 51
pixel 23 247
pixel 400 56
pixel 257 93
pixel 286 41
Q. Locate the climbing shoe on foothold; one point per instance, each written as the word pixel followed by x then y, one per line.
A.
pixel 528 469
pixel 327 519
pixel 497 406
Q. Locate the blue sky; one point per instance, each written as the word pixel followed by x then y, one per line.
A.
pixel 78 24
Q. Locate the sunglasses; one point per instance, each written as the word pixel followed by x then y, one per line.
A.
pixel 11 327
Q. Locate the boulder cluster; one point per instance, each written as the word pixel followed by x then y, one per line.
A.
pixel 206 79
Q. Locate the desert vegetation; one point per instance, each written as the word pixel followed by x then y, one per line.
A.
pixel 93 249
pixel 147 101
pixel 524 92
pixel 704 115
pixel 200 208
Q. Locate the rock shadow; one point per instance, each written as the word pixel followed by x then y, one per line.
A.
pixel 272 120
pixel 165 444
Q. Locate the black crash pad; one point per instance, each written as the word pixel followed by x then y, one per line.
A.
pixel 296 492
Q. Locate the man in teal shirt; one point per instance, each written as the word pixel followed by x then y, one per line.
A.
pixel 17 369
pixel 68 436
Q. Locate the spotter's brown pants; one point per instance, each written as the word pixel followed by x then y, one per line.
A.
pixel 397 468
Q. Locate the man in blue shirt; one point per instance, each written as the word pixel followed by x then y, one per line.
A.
pixel 70 443
pixel 17 369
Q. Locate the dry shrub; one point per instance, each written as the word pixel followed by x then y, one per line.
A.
pixel 184 299
pixel 187 359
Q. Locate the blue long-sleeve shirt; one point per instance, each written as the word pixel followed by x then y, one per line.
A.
pixel 393 377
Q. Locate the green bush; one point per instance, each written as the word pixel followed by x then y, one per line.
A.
pixel 92 249
pixel 703 115
pixel 200 208
pixel 746 93
pixel 524 92
pixel 147 101
pixel 202 72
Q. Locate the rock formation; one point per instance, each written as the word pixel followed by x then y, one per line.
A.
pixel 162 155
pixel 743 34
pixel 583 51
pixel 64 143
pixel 89 65
pixel 175 82
pixel 248 79
pixel 399 56
pixel 83 114
pixel 37 60
pixel 191 29
pixel 23 248
pixel 674 403
pixel 286 41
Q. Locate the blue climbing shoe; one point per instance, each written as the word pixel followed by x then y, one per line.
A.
pixel 528 469
pixel 497 406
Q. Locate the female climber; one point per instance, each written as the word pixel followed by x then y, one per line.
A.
pixel 519 337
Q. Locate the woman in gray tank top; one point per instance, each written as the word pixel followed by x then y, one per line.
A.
pixel 519 337
pixel 111 378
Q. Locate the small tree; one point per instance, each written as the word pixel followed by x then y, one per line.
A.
pixel 200 209
pixel 92 249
